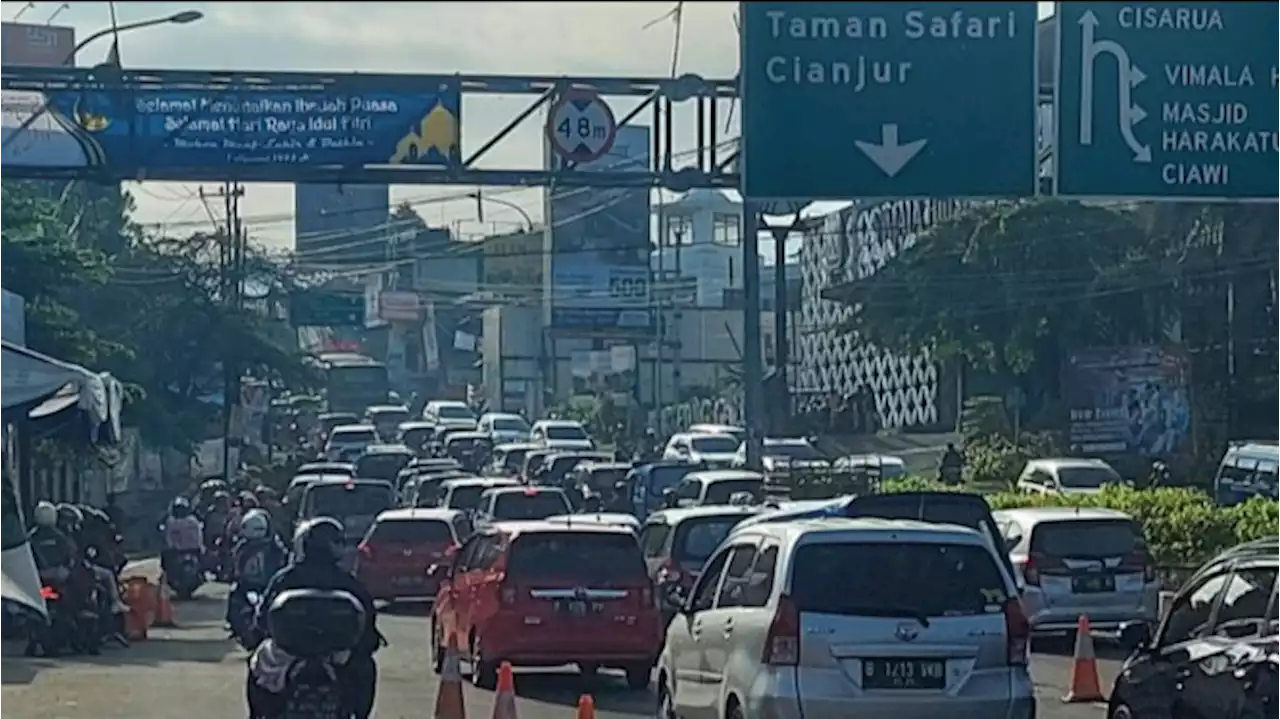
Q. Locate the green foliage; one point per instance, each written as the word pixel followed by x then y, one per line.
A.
pixel 1257 518
pixel 993 459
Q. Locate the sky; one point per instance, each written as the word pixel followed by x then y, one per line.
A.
pixel 552 38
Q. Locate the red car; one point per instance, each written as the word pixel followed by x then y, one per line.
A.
pixel 393 559
pixel 548 594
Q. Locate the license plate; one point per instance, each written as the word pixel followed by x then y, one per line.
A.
pixel 314 703
pixel 578 608
pixel 904 674
pixel 1093 584
pixel 406 581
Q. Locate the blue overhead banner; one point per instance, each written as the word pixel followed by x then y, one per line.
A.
pixel 274 134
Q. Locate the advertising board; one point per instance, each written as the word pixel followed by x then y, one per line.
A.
pixel 165 134
pixel 37 45
pixel 600 244
pixel 1127 400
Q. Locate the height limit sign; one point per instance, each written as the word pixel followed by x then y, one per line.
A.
pixel 581 126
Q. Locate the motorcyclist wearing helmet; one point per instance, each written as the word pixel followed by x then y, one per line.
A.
pixel 183 534
pixel 951 465
pixel 94 552
pixel 240 506
pixel 52 548
pixel 315 564
pixel 255 558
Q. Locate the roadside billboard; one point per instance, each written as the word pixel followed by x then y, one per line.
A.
pixel 1127 400
pixel 37 45
pixel 600 245
pixel 194 134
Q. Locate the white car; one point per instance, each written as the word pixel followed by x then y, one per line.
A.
pixel 504 428
pixel 709 450
pixel 779 455
pixel 737 433
pixel 562 434
pixel 1067 476
pixel 349 439
pixel 449 413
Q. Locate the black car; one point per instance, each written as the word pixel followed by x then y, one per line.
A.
pixel 1213 655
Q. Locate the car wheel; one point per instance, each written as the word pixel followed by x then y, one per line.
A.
pixel 638 676
pixel 484 673
pixel 437 651
pixel 1119 710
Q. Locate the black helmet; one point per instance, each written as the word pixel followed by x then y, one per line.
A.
pixel 319 540
pixel 179 508
pixel 69 517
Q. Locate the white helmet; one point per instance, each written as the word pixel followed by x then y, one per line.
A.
pixel 45 514
pixel 255 525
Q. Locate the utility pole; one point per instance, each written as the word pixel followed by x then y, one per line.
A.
pixel 231 271
pixel 677 316
pixel 752 370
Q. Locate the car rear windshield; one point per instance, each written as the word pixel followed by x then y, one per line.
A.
pixel 1086 477
pixel 697 538
pixel 565 431
pixel 417 437
pixel 388 416
pixel 454 411
pixel 539 505
pixel 920 580
pixel 342 500
pixel 714 444
pixel 412 531
pixel 586 557
pixel 465 497
pixel 720 492
pixel 513 460
pixel 354 436
pixel 510 424
pixel 381 466
pixel 1087 538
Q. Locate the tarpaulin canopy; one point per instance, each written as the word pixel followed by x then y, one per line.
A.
pixel 48 386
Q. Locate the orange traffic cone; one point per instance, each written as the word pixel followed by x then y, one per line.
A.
pixel 504 702
pixel 449 699
pixel 164 608
pixel 138 597
pixel 1084 668
pixel 586 707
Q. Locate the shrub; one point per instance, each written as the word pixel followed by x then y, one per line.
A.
pixel 1257 518
pixel 994 459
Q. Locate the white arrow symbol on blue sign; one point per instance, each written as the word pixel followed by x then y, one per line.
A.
pixel 889 155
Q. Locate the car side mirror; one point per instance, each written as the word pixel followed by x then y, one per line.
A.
pixel 1010 543
pixel 1135 636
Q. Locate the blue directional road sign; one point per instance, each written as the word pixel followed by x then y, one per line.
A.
pixel 1167 102
pixel 843 100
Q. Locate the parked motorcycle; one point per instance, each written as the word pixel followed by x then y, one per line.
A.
pixel 70 629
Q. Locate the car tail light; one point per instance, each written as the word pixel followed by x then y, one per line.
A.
pixel 1018 632
pixel 1138 560
pixel 1036 565
pixel 49 594
pixel 782 642
pixel 669 573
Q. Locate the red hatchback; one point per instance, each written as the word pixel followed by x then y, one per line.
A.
pixel 402 545
pixel 548 594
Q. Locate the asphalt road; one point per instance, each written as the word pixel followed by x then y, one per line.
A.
pixel 194 671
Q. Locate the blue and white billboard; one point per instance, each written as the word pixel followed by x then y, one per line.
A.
pixel 600 244
pixel 182 134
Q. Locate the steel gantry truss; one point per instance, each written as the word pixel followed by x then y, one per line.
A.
pixel 709 164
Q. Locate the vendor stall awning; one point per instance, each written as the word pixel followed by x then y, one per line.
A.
pixel 49 385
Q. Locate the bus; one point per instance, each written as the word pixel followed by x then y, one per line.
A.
pixel 353 381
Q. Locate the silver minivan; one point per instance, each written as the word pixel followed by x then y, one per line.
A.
pixel 835 617
pixel 1080 561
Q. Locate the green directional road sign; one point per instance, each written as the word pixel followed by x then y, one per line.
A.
pixel 1169 101
pixel 843 100
pixel 317 308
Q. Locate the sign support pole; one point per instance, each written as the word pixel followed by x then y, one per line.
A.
pixel 752 369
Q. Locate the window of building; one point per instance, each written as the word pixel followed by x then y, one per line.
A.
pixel 726 230
pixel 679 230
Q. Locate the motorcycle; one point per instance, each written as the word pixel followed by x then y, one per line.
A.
pixel 243 627
pixel 186 576
pixel 69 629
pixel 313 632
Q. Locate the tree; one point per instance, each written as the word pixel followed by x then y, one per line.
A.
pixel 1007 286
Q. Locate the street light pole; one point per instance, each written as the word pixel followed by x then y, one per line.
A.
pixel 481 199
pixel 182 18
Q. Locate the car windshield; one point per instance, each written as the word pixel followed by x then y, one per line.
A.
pixel 510 424
pixel 897 579
pixel 465 497
pixel 530 505
pixel 697 538
pixel 715 444
pixel 720 492
pixel 792 450
pixel 514 459
pixel 565 431
pixel 1086 477
pixel 586 557
pixel 1086 538
pixel 454 411
pixel 417 436
pixel 412 531
pixel 390 416
pixel 348 500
